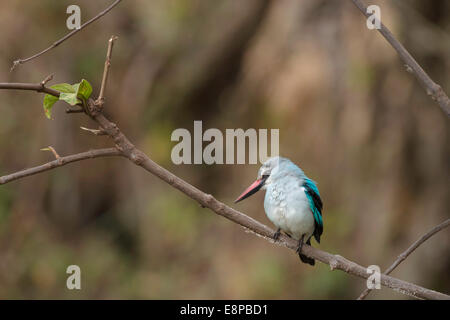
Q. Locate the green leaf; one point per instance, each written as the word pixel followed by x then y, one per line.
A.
pixel 68 93
pixel 70 98
pixel 64 87
pixel 83 89
pixel 49 101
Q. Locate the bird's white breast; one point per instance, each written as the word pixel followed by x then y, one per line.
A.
pixel 287 206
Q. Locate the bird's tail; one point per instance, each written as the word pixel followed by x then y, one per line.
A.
pixel 306 259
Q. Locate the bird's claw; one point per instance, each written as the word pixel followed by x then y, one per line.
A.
pixel 276 235
pixel 300 244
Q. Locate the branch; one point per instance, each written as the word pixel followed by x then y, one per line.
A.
pixel 413 247
pixel 39 87
pixel 67 36
pixel 101 98
pixel 59 162
pixel 432 89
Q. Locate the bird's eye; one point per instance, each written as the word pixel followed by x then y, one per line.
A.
pixel 265 176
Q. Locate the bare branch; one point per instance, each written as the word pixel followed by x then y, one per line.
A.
pixel 59 162
pixel 413 247
pixel 67 36
pixel 431 88
pixel 39 87
pixel 101 98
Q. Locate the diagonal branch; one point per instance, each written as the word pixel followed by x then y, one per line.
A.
pixel 59 162
pixel 67 36
pixel 431 88
pixel 413 247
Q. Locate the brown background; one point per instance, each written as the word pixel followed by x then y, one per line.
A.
pixel 348 113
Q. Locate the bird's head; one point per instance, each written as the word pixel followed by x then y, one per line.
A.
pixel 272 171
pixel 267 174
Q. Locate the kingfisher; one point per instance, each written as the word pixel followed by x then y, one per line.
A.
pixel 292 202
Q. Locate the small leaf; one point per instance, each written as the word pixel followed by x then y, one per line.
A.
pixel 67 93
pixel 83 89
pixel 49 101
pixel 75 87
pixel 70 98
pixel 64 87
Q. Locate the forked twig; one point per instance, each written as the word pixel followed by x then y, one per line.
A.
pixel 410 250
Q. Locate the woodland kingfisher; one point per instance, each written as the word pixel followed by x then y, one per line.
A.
pixel 292 201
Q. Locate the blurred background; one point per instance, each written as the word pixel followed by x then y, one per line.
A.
pixel 348 113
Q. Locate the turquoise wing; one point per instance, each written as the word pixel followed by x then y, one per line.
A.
pixel 316 205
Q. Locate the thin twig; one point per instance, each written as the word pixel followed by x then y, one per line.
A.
pixel 59 162
pixel 50 148
pixel 47 79
pixel 413 247
pixel 67 36
pixel 97 132
pixel 432 89
pixel 101 98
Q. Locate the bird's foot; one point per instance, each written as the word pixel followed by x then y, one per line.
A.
pixel 300 244
pixel 276 235
pixel 304 258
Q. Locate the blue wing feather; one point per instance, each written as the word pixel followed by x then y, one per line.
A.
pixel 316 205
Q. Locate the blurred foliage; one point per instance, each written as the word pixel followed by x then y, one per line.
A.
pixel 348 113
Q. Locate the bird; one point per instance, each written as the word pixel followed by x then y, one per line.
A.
pixel 292 201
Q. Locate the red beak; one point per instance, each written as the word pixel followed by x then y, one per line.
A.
pixel 254 187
